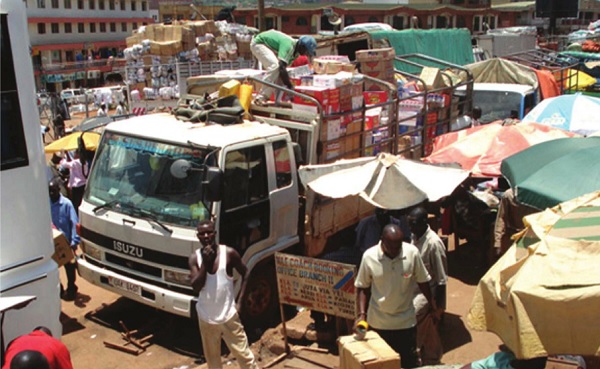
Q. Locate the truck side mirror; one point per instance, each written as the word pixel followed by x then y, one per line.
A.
pixel 211 185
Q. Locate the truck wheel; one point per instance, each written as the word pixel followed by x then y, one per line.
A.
pixel 260 299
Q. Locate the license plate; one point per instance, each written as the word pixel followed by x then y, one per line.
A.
pixel 124 285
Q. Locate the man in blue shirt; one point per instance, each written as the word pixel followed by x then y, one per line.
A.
pixel 64 218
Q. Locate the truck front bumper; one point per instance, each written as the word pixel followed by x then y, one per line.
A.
pixel 145 293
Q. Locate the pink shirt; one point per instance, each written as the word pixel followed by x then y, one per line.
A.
pixel 76 178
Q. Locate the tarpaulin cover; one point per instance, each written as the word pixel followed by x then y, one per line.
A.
pixel 543 296
pixel 451 45
pixel 499 70
pixel 481 149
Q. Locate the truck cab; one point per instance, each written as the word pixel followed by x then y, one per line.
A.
pixel 149 189
pixel 502 100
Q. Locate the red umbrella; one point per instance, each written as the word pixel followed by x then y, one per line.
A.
pixel 481 149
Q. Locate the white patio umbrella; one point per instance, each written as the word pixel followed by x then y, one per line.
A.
pixel 386 181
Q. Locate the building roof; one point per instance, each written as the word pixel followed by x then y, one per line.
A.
pixel 517 7
pixel 370 6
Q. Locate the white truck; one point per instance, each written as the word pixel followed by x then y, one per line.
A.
pixel 154 177
pixel 29 283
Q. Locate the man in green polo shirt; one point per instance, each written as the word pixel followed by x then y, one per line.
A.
pixel 275 51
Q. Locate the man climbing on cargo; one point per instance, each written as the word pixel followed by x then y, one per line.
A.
pixel 276 51
pixel 211 276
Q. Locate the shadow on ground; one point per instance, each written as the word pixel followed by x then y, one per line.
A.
pixel 175 333
pixel 466 263
pixel 453 332
pixel 69 325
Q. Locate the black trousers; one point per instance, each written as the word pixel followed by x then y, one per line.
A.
pixel 404 342
pixel 71 270
pixel 77 197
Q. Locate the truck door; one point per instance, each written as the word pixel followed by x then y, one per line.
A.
pixel 245 207
pixel 284 192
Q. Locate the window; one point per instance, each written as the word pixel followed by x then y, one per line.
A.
pixel 135 25
pixel 54 4
pixel 373 19
pixel 80 4
pixel 68 28
pixel 41 28
pixel 13 147
pixel 80 28
pixel 348 20
pixel 54 27
pixel 67 4
pixel 133 6
pixel 144 6
pixel 113 27
pixel 101 4
pixel 123 27
pixel 283 166
pixel 41 4
pixel 92 27
pixel 103 27
pixel 460 21
pixel 92 4
pixel 398 22
pixel 301 21
pixel 245 202
pixel 285 19
pixel 245 177
pixel 122 2
pixel 111 4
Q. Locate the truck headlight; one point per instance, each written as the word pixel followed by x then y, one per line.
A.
pixel 91 251
pixel 177 277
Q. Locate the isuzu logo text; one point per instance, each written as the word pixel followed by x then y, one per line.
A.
pixel 127 249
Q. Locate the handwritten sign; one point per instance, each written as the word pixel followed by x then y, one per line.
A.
pixel 316 284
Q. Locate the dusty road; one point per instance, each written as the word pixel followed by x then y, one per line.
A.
pixel 95 315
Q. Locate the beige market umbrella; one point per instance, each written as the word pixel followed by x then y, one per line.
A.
pixel 386 181
pixel 543 296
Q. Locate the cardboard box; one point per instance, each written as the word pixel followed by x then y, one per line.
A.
pixel 556 363
pixel 375 54
pixel 376 65
pixel 321 94
pixel 371 353
pixel 432 77
pixel 325 66
pixel 63 253
pixel 375 97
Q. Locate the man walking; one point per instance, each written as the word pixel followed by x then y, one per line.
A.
pixel 433 253
pixel 389 270
pixel 211 269
pixel 64 218
pixel 276 51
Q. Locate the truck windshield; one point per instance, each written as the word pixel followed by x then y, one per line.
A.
pixel 132 176
pixel 496 105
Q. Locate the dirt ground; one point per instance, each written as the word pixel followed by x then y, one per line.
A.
pixel 96 316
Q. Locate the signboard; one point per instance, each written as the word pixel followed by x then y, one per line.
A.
pixel 316 284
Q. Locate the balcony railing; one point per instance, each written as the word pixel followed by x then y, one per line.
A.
pixel 79 65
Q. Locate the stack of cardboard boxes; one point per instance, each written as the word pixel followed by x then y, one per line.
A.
pixel 340 96
pixel 377 63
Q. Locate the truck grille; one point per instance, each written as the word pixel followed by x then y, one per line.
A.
pixel 134 265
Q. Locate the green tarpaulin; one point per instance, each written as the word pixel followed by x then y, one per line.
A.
pixel 450 45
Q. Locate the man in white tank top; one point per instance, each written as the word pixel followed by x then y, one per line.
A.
pixel 211 269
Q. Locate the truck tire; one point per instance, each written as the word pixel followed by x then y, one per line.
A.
pixel 260 301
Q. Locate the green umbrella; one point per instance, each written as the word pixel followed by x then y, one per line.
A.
pixel 552 172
